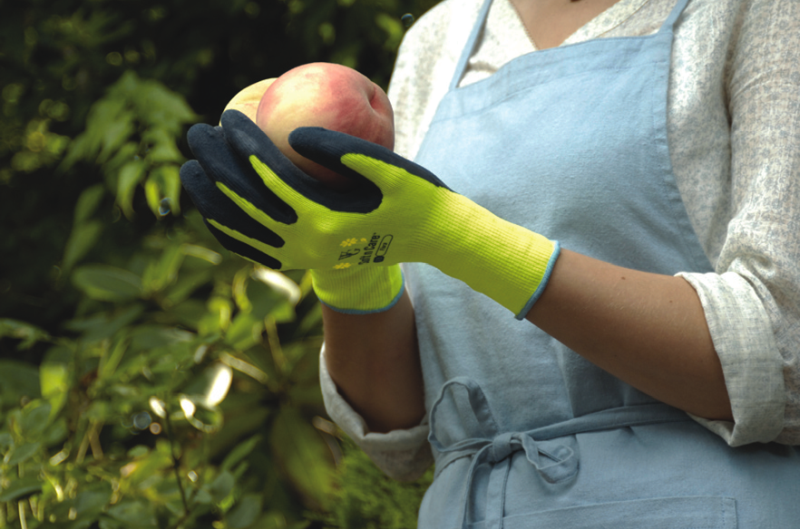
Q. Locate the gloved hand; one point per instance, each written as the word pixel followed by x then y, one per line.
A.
pixel 398 212
pixel 359 290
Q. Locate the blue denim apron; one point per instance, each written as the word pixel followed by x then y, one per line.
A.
pixel 571 142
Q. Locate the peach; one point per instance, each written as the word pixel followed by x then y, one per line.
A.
pixel 325 95
pixel 247 100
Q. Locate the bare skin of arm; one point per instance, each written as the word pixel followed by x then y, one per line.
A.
pixel 374 360
pixel 647 329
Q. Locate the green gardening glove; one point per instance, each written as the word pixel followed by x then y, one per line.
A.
pixel 399 213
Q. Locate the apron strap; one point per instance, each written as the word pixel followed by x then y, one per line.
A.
pixel 466 53
pixel 669 23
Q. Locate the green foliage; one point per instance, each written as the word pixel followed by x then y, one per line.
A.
pixel 368 500
pixel 149 378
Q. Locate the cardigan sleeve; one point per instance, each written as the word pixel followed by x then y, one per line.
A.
pixel 752 302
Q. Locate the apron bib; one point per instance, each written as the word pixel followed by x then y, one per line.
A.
pixel 569 142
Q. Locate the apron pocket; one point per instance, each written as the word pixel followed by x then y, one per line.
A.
pixel 696 512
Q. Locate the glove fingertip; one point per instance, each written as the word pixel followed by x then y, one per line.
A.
pixel 327 147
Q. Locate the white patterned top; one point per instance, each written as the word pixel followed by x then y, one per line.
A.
pixel 734 133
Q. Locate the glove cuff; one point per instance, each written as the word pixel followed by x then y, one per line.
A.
pixel 362 290
pixel 502 260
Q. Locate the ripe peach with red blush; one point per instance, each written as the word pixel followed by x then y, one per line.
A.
pixel 325 95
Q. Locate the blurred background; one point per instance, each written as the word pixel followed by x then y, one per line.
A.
pixel 149 378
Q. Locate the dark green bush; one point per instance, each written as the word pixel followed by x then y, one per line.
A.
pixel 149 378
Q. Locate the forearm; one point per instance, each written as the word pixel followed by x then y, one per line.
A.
pixel 649 330
pixel 374 360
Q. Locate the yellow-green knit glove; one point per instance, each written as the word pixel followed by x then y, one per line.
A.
pixel 397 212
pixel 356 291
pixel 360 290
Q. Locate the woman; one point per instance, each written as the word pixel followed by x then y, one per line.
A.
pixel 658 385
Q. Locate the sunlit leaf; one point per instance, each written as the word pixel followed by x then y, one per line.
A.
pixel 129 177
pixel 163 184
pixel 54 377
pixel 279 282
pixel 153 193
pixel 201 253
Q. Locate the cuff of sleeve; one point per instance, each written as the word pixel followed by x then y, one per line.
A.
pixel 403 455
pixel 359 291
pixel 751 363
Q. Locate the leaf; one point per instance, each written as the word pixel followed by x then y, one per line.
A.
pixel 240 452
pixel 94 499
pixel 22 453
pixel 35 418
pixel 164 149
pixel 244 331
pixel 202 253
pixel 104 325
pixel 303 455
pixel 18 379
pixel 29 334
pixel 109 363
pixel 107 283
pixel 152 193
pixel 81 240
pixel 124 154
pixel 187 283
pixel 267 301
pixel 117 132
pixel 163 272
pixel 87 203
pixel 163 184
pixel 148 337
pixel 135 514
pixel 129 177
pixel 54 377
pixel 20 489
pixel 245 513
pixel 221 486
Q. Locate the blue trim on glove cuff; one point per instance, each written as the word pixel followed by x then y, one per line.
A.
pixel 542 284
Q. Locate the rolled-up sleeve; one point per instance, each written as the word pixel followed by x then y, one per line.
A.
pixel 751 363
pixel 752 303
pixel 403 455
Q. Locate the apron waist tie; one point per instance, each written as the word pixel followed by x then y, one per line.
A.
pixel 555 462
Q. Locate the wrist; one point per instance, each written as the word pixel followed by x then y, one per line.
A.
pixel 359 289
